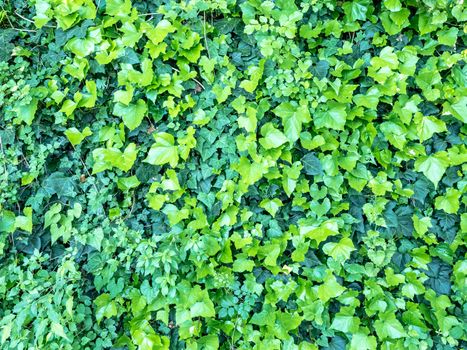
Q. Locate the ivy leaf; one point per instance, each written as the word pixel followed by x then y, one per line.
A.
pixel 459 109
pixel 160 32
pixel 163 151
pixel 272 137
pixel 433 166
pixel 393 5
pixel 107 158
pixel 355 10
pixel 80 47
pixel 329 289
pixel 439 277
pixel 322 232
pixel 332 118
pixel 105 307
pixel 312 165
pixel 427 126
pixel 58 330
pixel 132 114
pixel 362 341
pixel 449 202
pixel 60 184
pixel 75 136
pixel 389 327
pixel 271 205
pixel 26 112
pixel 118 8
pixel 293 116
pixel 345 324
pixel 339 251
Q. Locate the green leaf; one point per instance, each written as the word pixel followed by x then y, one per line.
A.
pixel 389 327
pixel 132 114
pixel 80 47
pixel 25 222
pixel 105 307
pixel 118 8
pixel 312 165
pixel 427 126
pixel 334 117
pixel 393 5
pixel 355 10
pixel 95 238
pixel 449 202
pixel 160 32
pixel 163 151
pixel 329 289
pixel 26 112
pixel 448 36
pixel 127 183
pixel 322 232
pixel 58 330
pixel 433 166
pixel 272 137
pixel 7 221
pixel 339 251
pixel 293 116
pixel 362 341
pixel 271 205
pixel 107 158
pixel 204 308
pixel 345 324
pixel 459 109
pixel 75 136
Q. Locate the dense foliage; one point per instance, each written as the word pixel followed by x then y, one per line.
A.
pixel 233 174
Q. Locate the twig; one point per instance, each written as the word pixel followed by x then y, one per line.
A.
pixel 196 80
pixel 147 14
pixel 87 170
pixel 31 21
pixel 24 30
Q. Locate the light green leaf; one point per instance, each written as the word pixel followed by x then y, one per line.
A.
pixel 272 137
pixel 427 126
pixel 345 323
pixel 26 112
pixel 449 202
pixel 75 136
pixel 362 341
pixel 58 330
pixel 80 47
pixel 204 308
pixel 389 327
pixel 105 307
pixel 95 238
pixel 271 205
pixel 459 109
pixel 332 118
pixel 132 114
pixel 393 5
pixel 433 166
pixel 163 151
pixel 293 116
pixel 339 251
pixel 322 232
pixel 329 289
pixel 160 32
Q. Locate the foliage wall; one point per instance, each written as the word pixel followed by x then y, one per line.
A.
pixel 233 174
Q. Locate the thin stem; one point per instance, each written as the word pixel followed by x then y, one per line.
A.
pixel 31 21
pixel 194 79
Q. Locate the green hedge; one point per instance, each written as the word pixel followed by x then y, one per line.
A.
pixel 233 174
